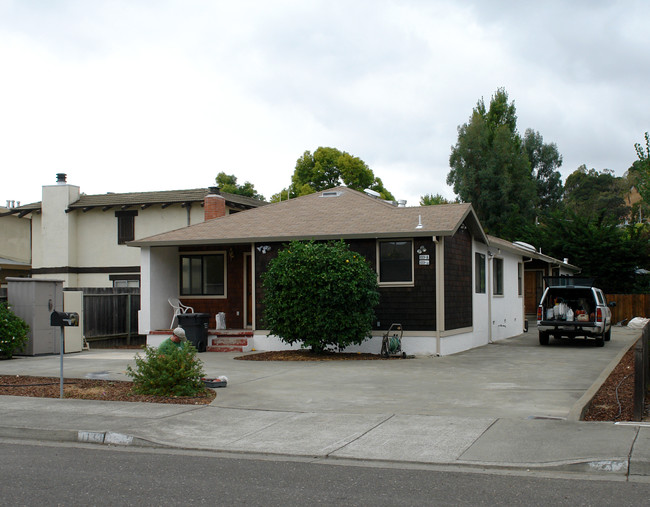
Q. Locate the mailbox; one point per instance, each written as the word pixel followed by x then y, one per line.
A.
pixel 64 319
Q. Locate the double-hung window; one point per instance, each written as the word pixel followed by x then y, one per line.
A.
pixel 203 275
pixel 479 269
pixel 395 262
pixel 498 276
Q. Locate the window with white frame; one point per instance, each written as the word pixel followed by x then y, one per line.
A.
pixel 520 279
pixel 203 275
pixel 497 266
pixel 395 261
pixel 479 269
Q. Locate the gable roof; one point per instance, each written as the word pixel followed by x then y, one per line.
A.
pixel 144 200
pixel 529 252
pixel 338 213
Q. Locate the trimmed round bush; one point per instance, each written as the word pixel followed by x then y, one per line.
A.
pixel 321 295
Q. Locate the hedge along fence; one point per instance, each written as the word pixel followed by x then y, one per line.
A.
pixel 629 306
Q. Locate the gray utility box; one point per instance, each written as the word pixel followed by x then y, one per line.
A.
pixel 33 301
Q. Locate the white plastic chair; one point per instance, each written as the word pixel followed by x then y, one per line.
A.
pixel 179 309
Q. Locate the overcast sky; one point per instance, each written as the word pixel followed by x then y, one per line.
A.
pixel 137 95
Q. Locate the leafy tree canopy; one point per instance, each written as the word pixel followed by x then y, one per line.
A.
pixel 545 160
pixel 327 168
pixel 641 169
pixel 321 295
pixel 228 183
pixel 593 194
pixel 432 200
pixel 601 248
pixel 490 168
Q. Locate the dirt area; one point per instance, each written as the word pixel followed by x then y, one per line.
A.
pixel 88 389
pixel 613 402
pixel 307 355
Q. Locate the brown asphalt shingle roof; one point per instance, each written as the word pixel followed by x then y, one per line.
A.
pixel 349 214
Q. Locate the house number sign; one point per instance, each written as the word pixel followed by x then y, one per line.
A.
pixel 423 260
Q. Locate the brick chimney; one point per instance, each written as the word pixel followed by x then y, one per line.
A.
pixel 214 204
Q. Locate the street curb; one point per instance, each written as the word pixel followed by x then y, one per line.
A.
pixel 609 467
pixel 580 407
pixel 79 436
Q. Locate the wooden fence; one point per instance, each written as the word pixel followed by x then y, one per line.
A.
pixel 629 306
pixel 110 313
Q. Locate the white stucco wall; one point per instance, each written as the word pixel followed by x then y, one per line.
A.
pixel 159 282
pixel 15 243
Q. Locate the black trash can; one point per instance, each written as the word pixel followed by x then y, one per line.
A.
pixel 195 326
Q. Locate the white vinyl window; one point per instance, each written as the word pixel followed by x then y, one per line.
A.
pixel 395 259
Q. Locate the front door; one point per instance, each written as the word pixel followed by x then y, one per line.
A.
pixel 532 290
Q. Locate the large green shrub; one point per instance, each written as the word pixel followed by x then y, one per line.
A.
pixel 321 295
pixel 177 373
pixel 13 332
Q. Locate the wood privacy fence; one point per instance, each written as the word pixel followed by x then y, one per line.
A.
pixel 110 312
pixel 629 306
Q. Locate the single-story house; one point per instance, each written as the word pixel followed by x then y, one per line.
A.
pixel 450 285
pixel 81 239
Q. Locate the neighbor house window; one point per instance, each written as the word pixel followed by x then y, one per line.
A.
pixel 479 261
pixel 396 262
pixel 520 279
pixel 203 275
pixel 125 226
pixel 498 276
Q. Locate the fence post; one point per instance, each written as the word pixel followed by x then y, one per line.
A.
pixel 128 319
pixel 641 352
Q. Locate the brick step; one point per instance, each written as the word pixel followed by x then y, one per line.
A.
pixel 233 342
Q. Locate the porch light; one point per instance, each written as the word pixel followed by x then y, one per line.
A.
pixel 263 249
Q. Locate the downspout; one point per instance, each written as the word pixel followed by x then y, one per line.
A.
pixel 440 292
pixel 253 294
pixel 489 294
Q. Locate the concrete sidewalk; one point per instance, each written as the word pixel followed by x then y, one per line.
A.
pixel 505 405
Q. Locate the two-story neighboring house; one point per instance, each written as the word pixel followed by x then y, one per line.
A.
pixel 15 244
pixel 81 239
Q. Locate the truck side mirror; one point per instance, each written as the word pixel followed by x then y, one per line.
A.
pixel 612 304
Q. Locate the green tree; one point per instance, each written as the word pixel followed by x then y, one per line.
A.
pixel 545 160
pixel 228 183
pixel 593 194
pixel 601 248
pixel 490 168
pixel 432 200
pixel 641 168
pixel 321 295
pixel 330 167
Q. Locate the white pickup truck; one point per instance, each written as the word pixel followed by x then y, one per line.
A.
pixel 572 307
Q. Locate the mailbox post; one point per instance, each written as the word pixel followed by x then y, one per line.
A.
pixel 62 320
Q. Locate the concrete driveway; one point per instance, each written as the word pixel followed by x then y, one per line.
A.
pixel 515 378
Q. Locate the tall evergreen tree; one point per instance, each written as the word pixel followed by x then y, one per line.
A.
pixel 490 168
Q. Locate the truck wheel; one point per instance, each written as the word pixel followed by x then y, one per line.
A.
pixel 543 338
pixel 600 341
pixel 608 334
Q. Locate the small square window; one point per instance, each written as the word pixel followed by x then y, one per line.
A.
pixel 396 261
pixel 203 275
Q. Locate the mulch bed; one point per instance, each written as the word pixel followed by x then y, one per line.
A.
pixel 614 401
pixel 88 389
pixel 308 355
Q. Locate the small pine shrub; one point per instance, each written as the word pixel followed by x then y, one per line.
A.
pixel 13 332
pixel 177 373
